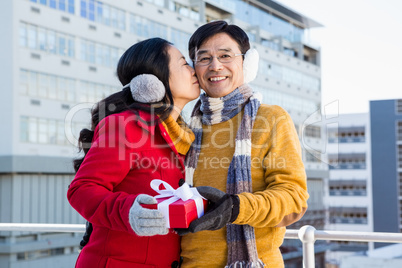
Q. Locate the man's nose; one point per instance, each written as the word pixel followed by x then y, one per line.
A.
pixel 215 64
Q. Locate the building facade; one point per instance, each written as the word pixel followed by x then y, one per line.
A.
pixel 58 58
pixel 386 146
pixel 365 182
pixel 349 195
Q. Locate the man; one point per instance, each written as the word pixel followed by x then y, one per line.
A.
pixel 246 160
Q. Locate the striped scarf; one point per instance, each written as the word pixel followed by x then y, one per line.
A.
pixel 242 249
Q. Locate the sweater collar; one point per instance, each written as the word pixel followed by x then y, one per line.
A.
pixel 180 134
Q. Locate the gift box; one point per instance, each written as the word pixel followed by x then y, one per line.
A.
pixel 181 213
pixel 179 206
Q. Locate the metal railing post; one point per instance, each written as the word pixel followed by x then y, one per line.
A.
pixel 307 236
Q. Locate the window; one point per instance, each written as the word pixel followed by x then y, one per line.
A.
pixel 347 187
pixel 24 123
pixel 352 134
pixel 272 44
pixel 52 3
pixel 23 36
pixel 99 53
pixel 313 156
pixel 31 30
pixel 400 184
pixel 51 42
pixel 32 130
pixel 348 215
pixel 70 7
pixel 49 86
pixel 180 40
pixel 43 85
pixel 62 46
pixel 24 82
pixel 103 13
pixel 33 85
pixel 313 131
pixel 37 254
pixel 268 22
pixel 399 106
pixel 400 209
pixel 38 38
pixel 147 28
pixel 183 10
pixel 289 102
pixel 399 131
pixel 400 156
pixel 63 5
pixel 347 161
pixel 46 131
pixel 288 75
pixel 42 130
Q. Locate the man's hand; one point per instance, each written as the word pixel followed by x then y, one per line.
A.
pixel 224 208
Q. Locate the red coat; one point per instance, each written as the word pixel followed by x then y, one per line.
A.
pixel 126 154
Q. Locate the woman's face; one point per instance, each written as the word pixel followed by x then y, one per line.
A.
pixel 182 80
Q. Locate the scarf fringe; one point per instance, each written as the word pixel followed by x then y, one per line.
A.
pixel 245 264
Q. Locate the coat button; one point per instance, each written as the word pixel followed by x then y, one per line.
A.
pixel 181 182
pixel 175 264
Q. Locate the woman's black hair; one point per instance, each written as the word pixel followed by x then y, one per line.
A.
pixel 146 57
pixel 210 29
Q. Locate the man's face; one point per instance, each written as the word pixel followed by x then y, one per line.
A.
pixel 219 79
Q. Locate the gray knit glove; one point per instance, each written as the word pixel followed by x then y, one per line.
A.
pixel 146 222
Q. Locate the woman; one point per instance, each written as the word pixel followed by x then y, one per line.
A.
pixel 137 136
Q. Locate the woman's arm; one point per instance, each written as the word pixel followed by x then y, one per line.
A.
pixel 104 167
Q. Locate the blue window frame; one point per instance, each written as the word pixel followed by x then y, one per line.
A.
pixel 91 10
pixel 83 9
pixel 62 5
pixel 52 3
pixel 71 6
pixel 62 46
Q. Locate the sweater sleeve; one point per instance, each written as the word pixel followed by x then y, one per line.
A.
pixel 284 200
pixel 106 164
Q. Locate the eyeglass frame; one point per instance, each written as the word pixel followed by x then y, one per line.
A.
pixel 211 58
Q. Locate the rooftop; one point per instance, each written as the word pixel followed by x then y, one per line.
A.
pixel 283 11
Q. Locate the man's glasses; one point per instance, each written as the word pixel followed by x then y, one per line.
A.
pixel 227 57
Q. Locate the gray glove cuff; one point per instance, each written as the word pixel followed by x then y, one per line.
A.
pixel 235 207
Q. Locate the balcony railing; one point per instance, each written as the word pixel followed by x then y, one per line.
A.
pixel 307 235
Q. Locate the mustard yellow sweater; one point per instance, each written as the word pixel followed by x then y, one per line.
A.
pixel 180 134
pixel 279 195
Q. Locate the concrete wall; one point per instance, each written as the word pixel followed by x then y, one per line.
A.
pixel 6 76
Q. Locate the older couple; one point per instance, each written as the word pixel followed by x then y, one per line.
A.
pixel 226 153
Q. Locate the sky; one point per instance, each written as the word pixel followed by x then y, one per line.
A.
pixel 361 50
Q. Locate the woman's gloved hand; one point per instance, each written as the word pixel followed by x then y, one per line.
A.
pixel 87 235
pixel 223 209
pixel 146 222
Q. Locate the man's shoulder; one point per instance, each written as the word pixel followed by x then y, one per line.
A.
pixel 267 109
